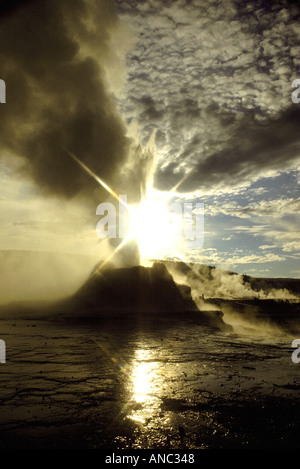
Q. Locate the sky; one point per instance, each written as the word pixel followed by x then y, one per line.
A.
pixel 213 79
pixel 193 91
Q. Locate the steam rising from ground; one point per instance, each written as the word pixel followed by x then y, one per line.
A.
pixel 36 276
pixel 209 282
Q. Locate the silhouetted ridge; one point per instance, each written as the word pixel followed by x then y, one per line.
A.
pixel 135 289
pixel 139 293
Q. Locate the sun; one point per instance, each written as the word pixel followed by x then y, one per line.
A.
pixel 156 227
pixel 153 225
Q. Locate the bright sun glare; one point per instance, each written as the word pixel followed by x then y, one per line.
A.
pixel 152 225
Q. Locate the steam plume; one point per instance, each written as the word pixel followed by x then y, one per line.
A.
pixel 53 56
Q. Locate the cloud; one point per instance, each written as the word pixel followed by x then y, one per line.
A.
pixel 215 78
pixel 282 234
pixel 264 208
pixel 255 150
pixel 292 246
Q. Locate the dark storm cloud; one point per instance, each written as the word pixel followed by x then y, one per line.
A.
pixel 254 150
pixel 51 55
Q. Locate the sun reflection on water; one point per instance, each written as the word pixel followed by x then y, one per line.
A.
pixel 143 375
pixel 144 386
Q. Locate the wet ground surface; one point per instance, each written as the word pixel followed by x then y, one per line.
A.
pixel 112 386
